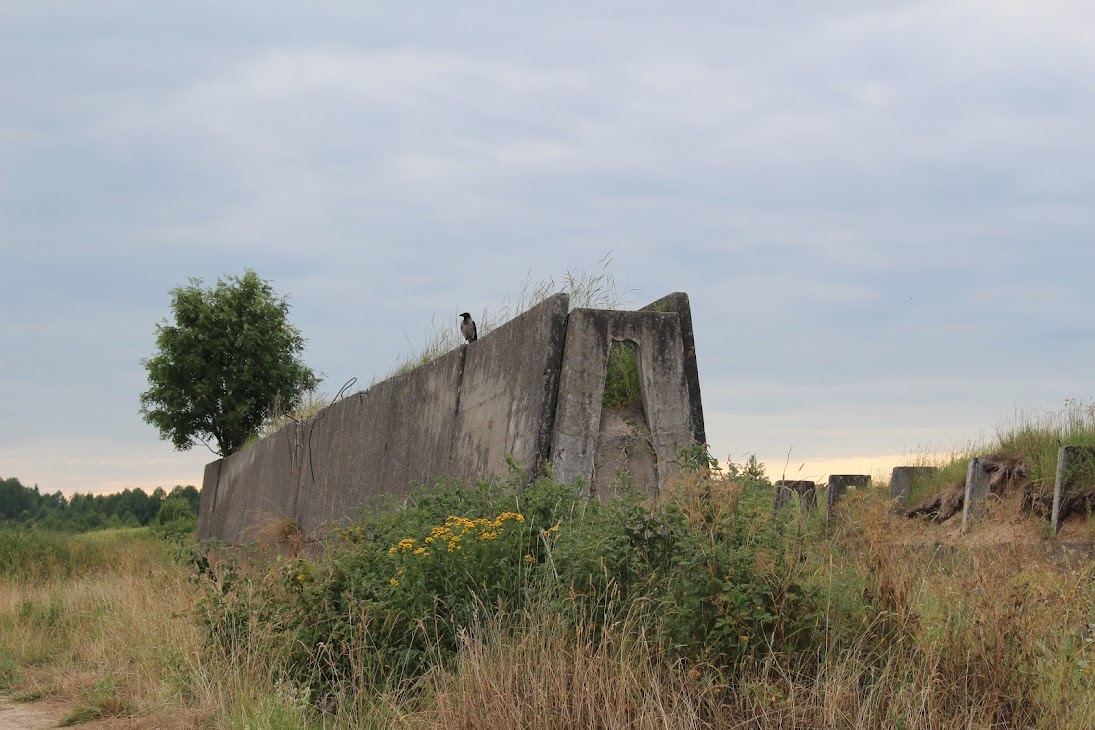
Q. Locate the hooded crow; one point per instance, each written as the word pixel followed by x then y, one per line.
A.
pixel 467 328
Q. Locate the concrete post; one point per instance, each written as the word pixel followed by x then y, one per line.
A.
pixel 1068 459
pixel 807 494
pixel 901 484
pixel 838 487
pixel 977 489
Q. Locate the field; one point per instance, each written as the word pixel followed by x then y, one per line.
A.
pixel 493 606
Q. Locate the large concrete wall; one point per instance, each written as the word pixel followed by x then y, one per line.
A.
pixel 531 389
pixel 459 415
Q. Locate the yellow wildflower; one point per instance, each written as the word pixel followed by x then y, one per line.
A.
pixel 422 551
pixel 394 582
pixel 529 559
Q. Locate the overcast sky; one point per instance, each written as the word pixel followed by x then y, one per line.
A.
pixel 884 213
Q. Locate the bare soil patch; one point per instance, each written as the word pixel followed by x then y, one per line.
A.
pixel 30 715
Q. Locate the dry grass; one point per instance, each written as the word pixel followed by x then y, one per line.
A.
pixel 1025 447
pixel 274 531
pixel 114 641
pixel 547 676
pixel 595 289
pixel 917 635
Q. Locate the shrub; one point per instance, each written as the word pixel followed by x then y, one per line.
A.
pixel 708 570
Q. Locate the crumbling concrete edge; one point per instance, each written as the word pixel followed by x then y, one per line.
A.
pixel 552 380
pixel 678 302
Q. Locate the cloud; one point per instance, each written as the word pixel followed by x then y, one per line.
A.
pixel 878 210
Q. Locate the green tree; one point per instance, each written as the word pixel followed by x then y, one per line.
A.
pixel 228 360
pixel 173 509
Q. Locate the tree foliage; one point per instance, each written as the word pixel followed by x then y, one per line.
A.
pixel 228 361
pixel 22 506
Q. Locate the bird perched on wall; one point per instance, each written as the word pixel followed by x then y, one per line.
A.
pixel 467 328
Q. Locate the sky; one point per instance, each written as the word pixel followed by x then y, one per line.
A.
pixel 883 213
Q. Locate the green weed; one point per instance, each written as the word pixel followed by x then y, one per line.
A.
pixel 9 671
pixel 622 387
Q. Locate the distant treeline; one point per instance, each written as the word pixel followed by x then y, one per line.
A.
pixel 27 507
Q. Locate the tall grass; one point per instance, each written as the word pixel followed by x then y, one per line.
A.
pixel 1030 441
pixel 35 556
pixel 102 626
pixel 1035 438
pixel 704 610
pixel 596 289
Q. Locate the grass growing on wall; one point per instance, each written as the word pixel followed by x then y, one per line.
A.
pixel 596 289
pixel 622 387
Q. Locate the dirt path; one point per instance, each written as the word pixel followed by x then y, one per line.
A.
pixel 29 715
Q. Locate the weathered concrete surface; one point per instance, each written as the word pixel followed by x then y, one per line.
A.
pixel 380 442
pixel 624 445
pixel 508 392
pixel 660 349
pixel 459 415
pixel 902 480
pixel 838 486
pixel 1069 462
pixel 678 303
pixel 208 497
pixel 806 491
pixel 978 484
pixel 259 479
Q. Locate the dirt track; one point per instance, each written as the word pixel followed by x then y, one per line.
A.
pixel 29 716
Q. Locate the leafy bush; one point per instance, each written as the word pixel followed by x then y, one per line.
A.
pixel 710 570
pixel 176 520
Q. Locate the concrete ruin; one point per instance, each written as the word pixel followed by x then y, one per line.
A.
pixel 838 486
pixel 978 488
pixel 529 392
pixel 806 491
pixel 902 480
pixel 1070 473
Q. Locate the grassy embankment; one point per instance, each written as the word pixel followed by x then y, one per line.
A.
pixel 705 611
pixel 1023 452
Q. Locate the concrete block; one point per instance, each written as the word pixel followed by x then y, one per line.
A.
pixel 531 389
pixel 902 480
pixel 665 396
pixel 838 486
pixel 978 481
pixel 678 303
pixel 806 491
pixel 208 499
pixel 1069 460
pixel 508 393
